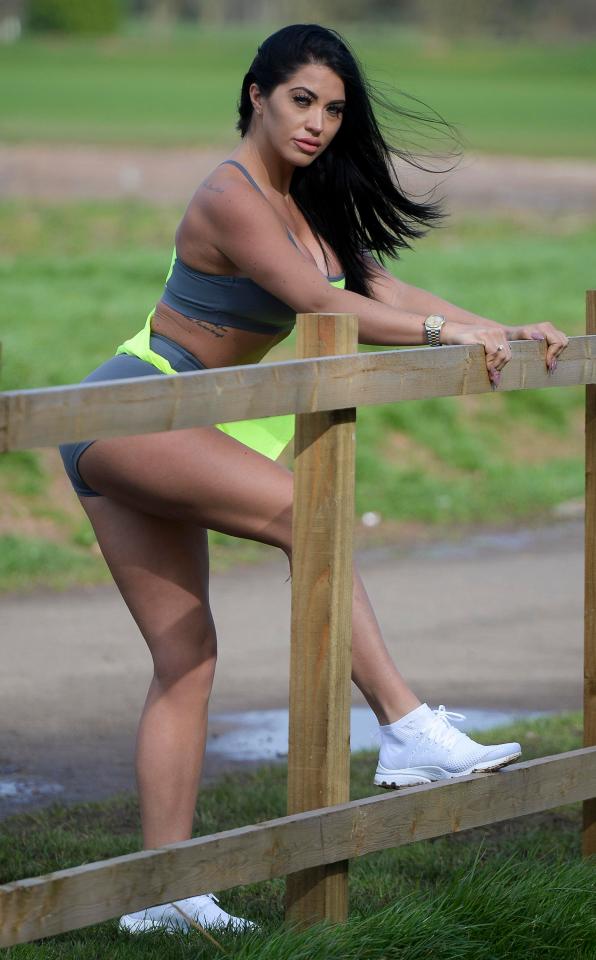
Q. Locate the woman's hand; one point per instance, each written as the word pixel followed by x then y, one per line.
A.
pixel 556 340
pixel 497 350
pixel 493 339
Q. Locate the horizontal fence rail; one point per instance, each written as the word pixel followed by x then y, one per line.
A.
pixel 304 844
pixel 69 899
pixel 52 415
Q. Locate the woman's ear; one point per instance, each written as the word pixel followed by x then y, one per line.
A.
pixel 256 98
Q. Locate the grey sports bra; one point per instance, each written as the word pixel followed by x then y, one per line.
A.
pixel 229 301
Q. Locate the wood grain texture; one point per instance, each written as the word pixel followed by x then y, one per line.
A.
pixel 43 418
pixel 69 899
pixel 589 807
pixel 321 638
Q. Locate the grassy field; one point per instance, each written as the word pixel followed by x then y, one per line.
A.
pixel 79 278
pixel 182 87
pixel 505 891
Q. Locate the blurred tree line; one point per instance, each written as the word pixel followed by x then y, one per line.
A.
pixel 534 19
pixel 501 18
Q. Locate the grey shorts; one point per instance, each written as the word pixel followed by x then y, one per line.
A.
pixel 119 368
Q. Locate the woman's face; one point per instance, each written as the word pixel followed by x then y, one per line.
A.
pixel 301 116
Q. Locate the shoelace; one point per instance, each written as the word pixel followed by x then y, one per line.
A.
pixel 208 896
pixel 440 730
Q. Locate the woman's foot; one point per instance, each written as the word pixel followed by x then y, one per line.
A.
pixel 203 910
pixel 423 746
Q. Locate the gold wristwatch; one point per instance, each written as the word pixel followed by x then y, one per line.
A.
pixel 433 325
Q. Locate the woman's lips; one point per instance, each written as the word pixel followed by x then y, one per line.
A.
pixel 306 146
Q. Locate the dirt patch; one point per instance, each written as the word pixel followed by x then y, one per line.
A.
pixel 528 446
pixel 49 172
pixel 399 448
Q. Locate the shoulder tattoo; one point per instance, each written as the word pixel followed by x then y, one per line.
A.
pixel 213 188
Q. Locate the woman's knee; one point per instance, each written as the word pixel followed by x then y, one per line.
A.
pixel 192 658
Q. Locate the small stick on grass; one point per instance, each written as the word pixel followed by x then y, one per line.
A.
pixel 199 927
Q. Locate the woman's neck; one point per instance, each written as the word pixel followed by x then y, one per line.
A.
pixel 269 169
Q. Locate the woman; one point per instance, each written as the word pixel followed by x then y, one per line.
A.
pixel 290 223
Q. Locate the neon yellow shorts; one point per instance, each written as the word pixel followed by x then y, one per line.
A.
pixel 269 435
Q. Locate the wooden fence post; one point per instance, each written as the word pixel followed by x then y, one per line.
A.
pixel 321 644
pixel 589 808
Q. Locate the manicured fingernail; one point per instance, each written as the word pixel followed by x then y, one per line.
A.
pixel 537 336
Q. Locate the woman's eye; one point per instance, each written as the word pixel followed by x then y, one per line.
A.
pixel 336 111
pixel 302 100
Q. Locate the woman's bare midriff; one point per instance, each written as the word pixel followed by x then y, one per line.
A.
pixel 213 345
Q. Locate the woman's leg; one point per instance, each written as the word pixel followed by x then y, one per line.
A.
pixel 208 477
pixel 161 568
pixel 373 671
pixel 197 479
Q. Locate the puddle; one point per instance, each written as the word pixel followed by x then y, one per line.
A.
pixel 260 735
pixel 503 541
pixel 25 789
pixel 263 734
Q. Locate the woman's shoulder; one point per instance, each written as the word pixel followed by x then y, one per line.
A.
pixel 225 181
pixel 225 198
pixel 227 201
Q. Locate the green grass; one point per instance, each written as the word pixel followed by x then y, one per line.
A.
pixel 78 279
pixel 182 87
pixel 507 890
pixel 22 473
pixel 30 560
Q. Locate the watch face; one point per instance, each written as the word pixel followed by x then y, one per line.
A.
pixel 434 323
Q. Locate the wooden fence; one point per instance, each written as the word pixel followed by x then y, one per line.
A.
pixel 323 831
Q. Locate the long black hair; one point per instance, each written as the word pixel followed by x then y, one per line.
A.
pixel 350 194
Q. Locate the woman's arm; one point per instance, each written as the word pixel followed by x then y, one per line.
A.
pixel 389 290
pixel 243 226
pixel 247 231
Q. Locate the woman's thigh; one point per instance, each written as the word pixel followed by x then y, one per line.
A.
pixel 161 567
pixel 200 474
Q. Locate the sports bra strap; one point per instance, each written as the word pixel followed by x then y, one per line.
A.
pixel 244 171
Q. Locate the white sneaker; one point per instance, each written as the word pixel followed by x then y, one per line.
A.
pixel 165 917
pixel 423 746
